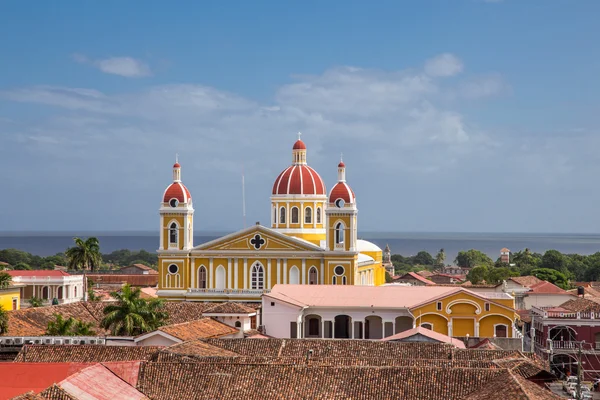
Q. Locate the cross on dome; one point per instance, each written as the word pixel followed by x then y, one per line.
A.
pixel 299 134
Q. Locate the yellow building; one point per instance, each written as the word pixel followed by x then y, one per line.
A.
pixel 10 297
pixel 312 240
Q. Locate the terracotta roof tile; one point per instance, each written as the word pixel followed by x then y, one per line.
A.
pixel 55 392
pixel 132 279
pixel 199 348
pixel 582 305
pixel 84 353
pixel 229 308
pixel 415 276
pixel 427 333
pixel 526 281
pixel 510 385
pixel 199 329
pixel 546 288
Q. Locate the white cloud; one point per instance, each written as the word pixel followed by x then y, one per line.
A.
pixel 124 66
pixel 483 86
pixel 444 65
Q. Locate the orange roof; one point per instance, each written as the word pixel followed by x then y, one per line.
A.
pixel 428 333
pixel 525 281
pixel 133 280
pixel 299 179
pixel 416 276
pixel 505 250
pixel 546 288
pixel 37 273
pixel 18 378
pixel 201 329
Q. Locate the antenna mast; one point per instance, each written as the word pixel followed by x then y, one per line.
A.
pixel 243 197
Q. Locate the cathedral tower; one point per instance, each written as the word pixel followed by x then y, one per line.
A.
pixel 342 215
pixel 176 215
pixel 299 198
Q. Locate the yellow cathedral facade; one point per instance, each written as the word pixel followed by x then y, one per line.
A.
pixel 312 240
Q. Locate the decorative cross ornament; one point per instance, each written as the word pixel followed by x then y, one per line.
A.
pixel 257 241
pixel 299 134
pixel 176 157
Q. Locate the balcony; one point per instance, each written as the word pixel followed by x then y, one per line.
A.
pixel 228 292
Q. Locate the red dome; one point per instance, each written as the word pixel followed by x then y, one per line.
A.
pixel 299 179
pixel 341 165
pixel 342 191
pixel 299 145
pixel 176 165
pixel 177 190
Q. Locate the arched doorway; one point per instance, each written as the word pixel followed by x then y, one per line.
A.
pixel 220 278
pixel 59 292
pixel 562 333
pixel 312 326
pixel 45 293
pixel 342 327
pixel 403 324
pixel 294 275
pixel 373 327
pixel 563 364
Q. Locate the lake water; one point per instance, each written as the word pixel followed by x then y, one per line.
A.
pixel 400 243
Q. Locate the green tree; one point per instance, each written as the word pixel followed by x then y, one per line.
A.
pixel 5 280
pixel 552 276
pixel 388 278
pixel 423 258
pixel 3 320
pixel 92 296
pixel 81 328
pixel 440 258
pixel 478 274
pixel 85 254
pixel 132 315
pixel 473 258
pixel 60 326
pixel 22 266
pixel 497 275
pixel 35 301
pixel 554 259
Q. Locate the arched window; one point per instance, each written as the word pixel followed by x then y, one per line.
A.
pixel 500 331
pixel 59 293
pixel 274 215
pixel 294 276
pixel 313 326
pixel 343 280
pixel 295 218
pixel 313 276
pixel 220 278
pixel 427 325
pixel 282 215
pixel 334 280
pixel 339 233
pixel 45 293
pixel 202 277
pixel 173 233
pixel 238 324
pixel 318 215
pixel 308 215
pixel 257 277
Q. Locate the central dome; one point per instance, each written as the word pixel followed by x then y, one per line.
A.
pixel 299 178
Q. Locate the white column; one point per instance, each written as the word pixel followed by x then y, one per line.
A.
pixel 229 273
pixel 284 271
pixel 210 276
pixel 276 215
pixel 268 274
pixel 314 215
pixel 162 233
pixel 193 274
pixel 245 273
pixel 450 327
pixel 287 215
pixel 323 272
pixel 235 273
pixel 185 232
pixel 303 281
pixel 477 329
pixel 301 215
pixel 278 271
pixel 322 328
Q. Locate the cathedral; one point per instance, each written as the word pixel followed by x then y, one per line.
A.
pixel 312 240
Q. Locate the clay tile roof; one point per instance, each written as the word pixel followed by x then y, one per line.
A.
pixel 546 288
pixel 55 392
pixel 199 348
pixel 416 276
pixel 526 281
pixel 588 291
pixel 510 385
pixel 425 274
pixel 504 250
pixel 582 305
pixel 132 279
pixel 229 308
pixel 428 333
pixel 199 329
pixel 84 353
pixel 37 273
pixel 17 378
pixel 486 344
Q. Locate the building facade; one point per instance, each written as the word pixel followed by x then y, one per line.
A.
pixel 10 298
pixel 312 240
pixel 48 285
pixel 360 312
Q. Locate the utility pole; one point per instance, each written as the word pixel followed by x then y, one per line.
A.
pixel 579 371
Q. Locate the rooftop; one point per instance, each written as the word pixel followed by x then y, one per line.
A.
pixel 428 333
pixel 38 273
pixel 84 353
pixel 199 329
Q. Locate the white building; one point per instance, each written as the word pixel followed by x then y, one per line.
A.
pixel 48 285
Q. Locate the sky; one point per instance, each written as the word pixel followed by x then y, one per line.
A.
pixel 452 116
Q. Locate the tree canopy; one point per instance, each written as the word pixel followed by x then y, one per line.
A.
pixel 68 327
pixel 5 280
pixel 85 254
pixel 473 258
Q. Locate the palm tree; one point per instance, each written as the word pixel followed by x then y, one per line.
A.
pixel 3 320
pixel 5 280
pixel 36 301
pixel 440 258
pixel 83 329
pixel 85 254
pixel 60 326
pixel 132 315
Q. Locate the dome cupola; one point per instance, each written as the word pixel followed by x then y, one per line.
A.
pixel 176 192
pixel 341 193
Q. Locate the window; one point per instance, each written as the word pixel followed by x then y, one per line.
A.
pixel 500 331
pixel 202 277
pixel 173 233
pixel 282 215
pixel 257 277
pixel 339 233
pixel 274 215
pixel 427 326
pixel 343 280
pixel 313 276
pixel 308 215
pixel 334 280
pixel 339 270
pixel 75 291
pixel 293 330
pixel 45 293
pixel 15 303
pixel 313 327
pixel 439 306
pixel 173 269
pixel 318 215
pixel 487 306
pixel 295 218
pixel 238 324
pixel 272 304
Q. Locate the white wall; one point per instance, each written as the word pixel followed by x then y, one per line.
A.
pixel 545 300
pixel 156 340
pixel 277 317
pixel 231 320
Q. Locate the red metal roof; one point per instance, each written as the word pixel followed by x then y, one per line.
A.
pixel 546 288
pixel 177 190
pixel 98 382
pixel 299 145
pixel 342 191
pixel 37 273
pixel 299 179
pixel 18 378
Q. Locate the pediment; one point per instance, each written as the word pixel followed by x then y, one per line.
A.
pixel 258 238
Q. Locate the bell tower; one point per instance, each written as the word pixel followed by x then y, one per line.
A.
pixel 176 215
pixel 341 215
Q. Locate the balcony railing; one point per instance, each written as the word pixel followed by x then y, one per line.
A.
pixel 540 312
pixel 256 292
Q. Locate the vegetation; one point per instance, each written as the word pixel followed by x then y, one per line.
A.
pixel 5 280
pixel 132 315
pixel 440 258
pixel 35 301
pixel 85 254
pixel 472 258
pixel 3 320
pixel 68 327
pixel 91 295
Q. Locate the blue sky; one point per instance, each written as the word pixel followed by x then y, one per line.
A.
pixel 463 115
